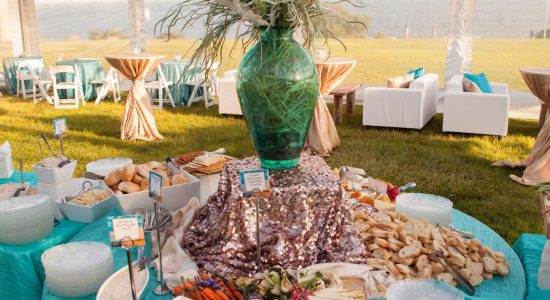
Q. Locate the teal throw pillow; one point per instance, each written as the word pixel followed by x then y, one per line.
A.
pixel 417 72
pixel 481 81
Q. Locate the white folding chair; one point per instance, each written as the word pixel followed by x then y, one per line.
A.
pixel 25 73
pixel 109 83
pixel 208 83
pixel 75 85
pixel 162 86
pixel 43 85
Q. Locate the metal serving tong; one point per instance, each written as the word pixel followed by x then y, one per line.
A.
pixel 463 283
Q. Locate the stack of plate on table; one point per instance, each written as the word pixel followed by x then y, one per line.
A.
pixel 25 219
pixel 201 162
pixel 77 269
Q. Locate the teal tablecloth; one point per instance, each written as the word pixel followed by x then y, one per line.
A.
pixel 16 177
pixel 88 70
pixel 173 70
pixel 21 271
pixel 98 232
pixel 529 249
pixel 11 65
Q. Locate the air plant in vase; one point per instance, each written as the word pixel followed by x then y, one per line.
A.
pixel 277 79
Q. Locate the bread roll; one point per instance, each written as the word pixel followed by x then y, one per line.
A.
pixel 129 187
pixel 144 184
pixel 113 178
pixel 137 178
pixel 152 164
pixel 179 179
pixel 128 172
pixel 143 171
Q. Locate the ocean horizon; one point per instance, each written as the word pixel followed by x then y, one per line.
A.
pixel 60 19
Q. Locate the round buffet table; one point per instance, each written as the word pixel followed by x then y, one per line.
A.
pixel 98 232
pixel 322 135
pixel 11 64
pixel 503 288
pixel 537 165
pixel 88 70
pixel 138 122
pixel 21 271
pixel 174 71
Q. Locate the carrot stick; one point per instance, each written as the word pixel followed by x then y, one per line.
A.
pixel 234 290
pixel 225 289
pixel 210 294
pixel 221 295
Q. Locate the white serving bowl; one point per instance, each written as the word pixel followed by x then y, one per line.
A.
pixel 417 289
pixel 77 269
pixel 117 287
pixel 104 166
pixel 25 219
pixel 435 209
pixel 55 175
pixel 174 197
pixel 87 214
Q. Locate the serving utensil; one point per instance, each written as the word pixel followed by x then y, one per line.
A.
pixel 171 162
pixel 21 189
pixel 48 144
pixel 463 283
pixel 407 187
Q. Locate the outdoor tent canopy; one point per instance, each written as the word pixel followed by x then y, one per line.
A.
pixel 21 28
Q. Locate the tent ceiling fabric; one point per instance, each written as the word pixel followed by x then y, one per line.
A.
pixel 460 44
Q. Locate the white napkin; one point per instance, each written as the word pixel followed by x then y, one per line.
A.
pixel 372 275
pixel 175 261
pixel 6 163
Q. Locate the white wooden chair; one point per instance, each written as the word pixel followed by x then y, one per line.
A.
pixel 208 83
pixel 162 86
pixel 75 85
pixel 109 83
pixel 43 85
pixel 25 73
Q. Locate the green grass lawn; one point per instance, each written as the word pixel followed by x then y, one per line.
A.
pixel 452 165
pixel 377 59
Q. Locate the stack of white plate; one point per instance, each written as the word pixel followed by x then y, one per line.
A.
pixel 77 269
pixel 25 219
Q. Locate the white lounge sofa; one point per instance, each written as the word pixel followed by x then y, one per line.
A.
pixel 477 113
pixel 409 107
pixel 228 102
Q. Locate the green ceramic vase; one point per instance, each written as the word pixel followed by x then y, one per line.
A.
pixel 277 86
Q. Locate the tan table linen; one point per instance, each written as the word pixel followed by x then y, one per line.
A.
pixel 138 122
pixel 537 166
pixel 322 136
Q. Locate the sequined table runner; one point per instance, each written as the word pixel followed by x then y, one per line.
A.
pixel 303 222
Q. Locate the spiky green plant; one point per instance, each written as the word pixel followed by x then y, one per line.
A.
pixel 311 17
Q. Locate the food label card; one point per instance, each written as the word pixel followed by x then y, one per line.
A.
pixel 130 226
pixel 255 182
pixel 59 127
pixel 155 186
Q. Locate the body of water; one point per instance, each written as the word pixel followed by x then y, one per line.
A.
pixel 494 18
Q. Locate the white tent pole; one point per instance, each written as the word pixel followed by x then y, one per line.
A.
pixel 544 34
pixel 136 18
pixel 460 44
pixel 29 27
